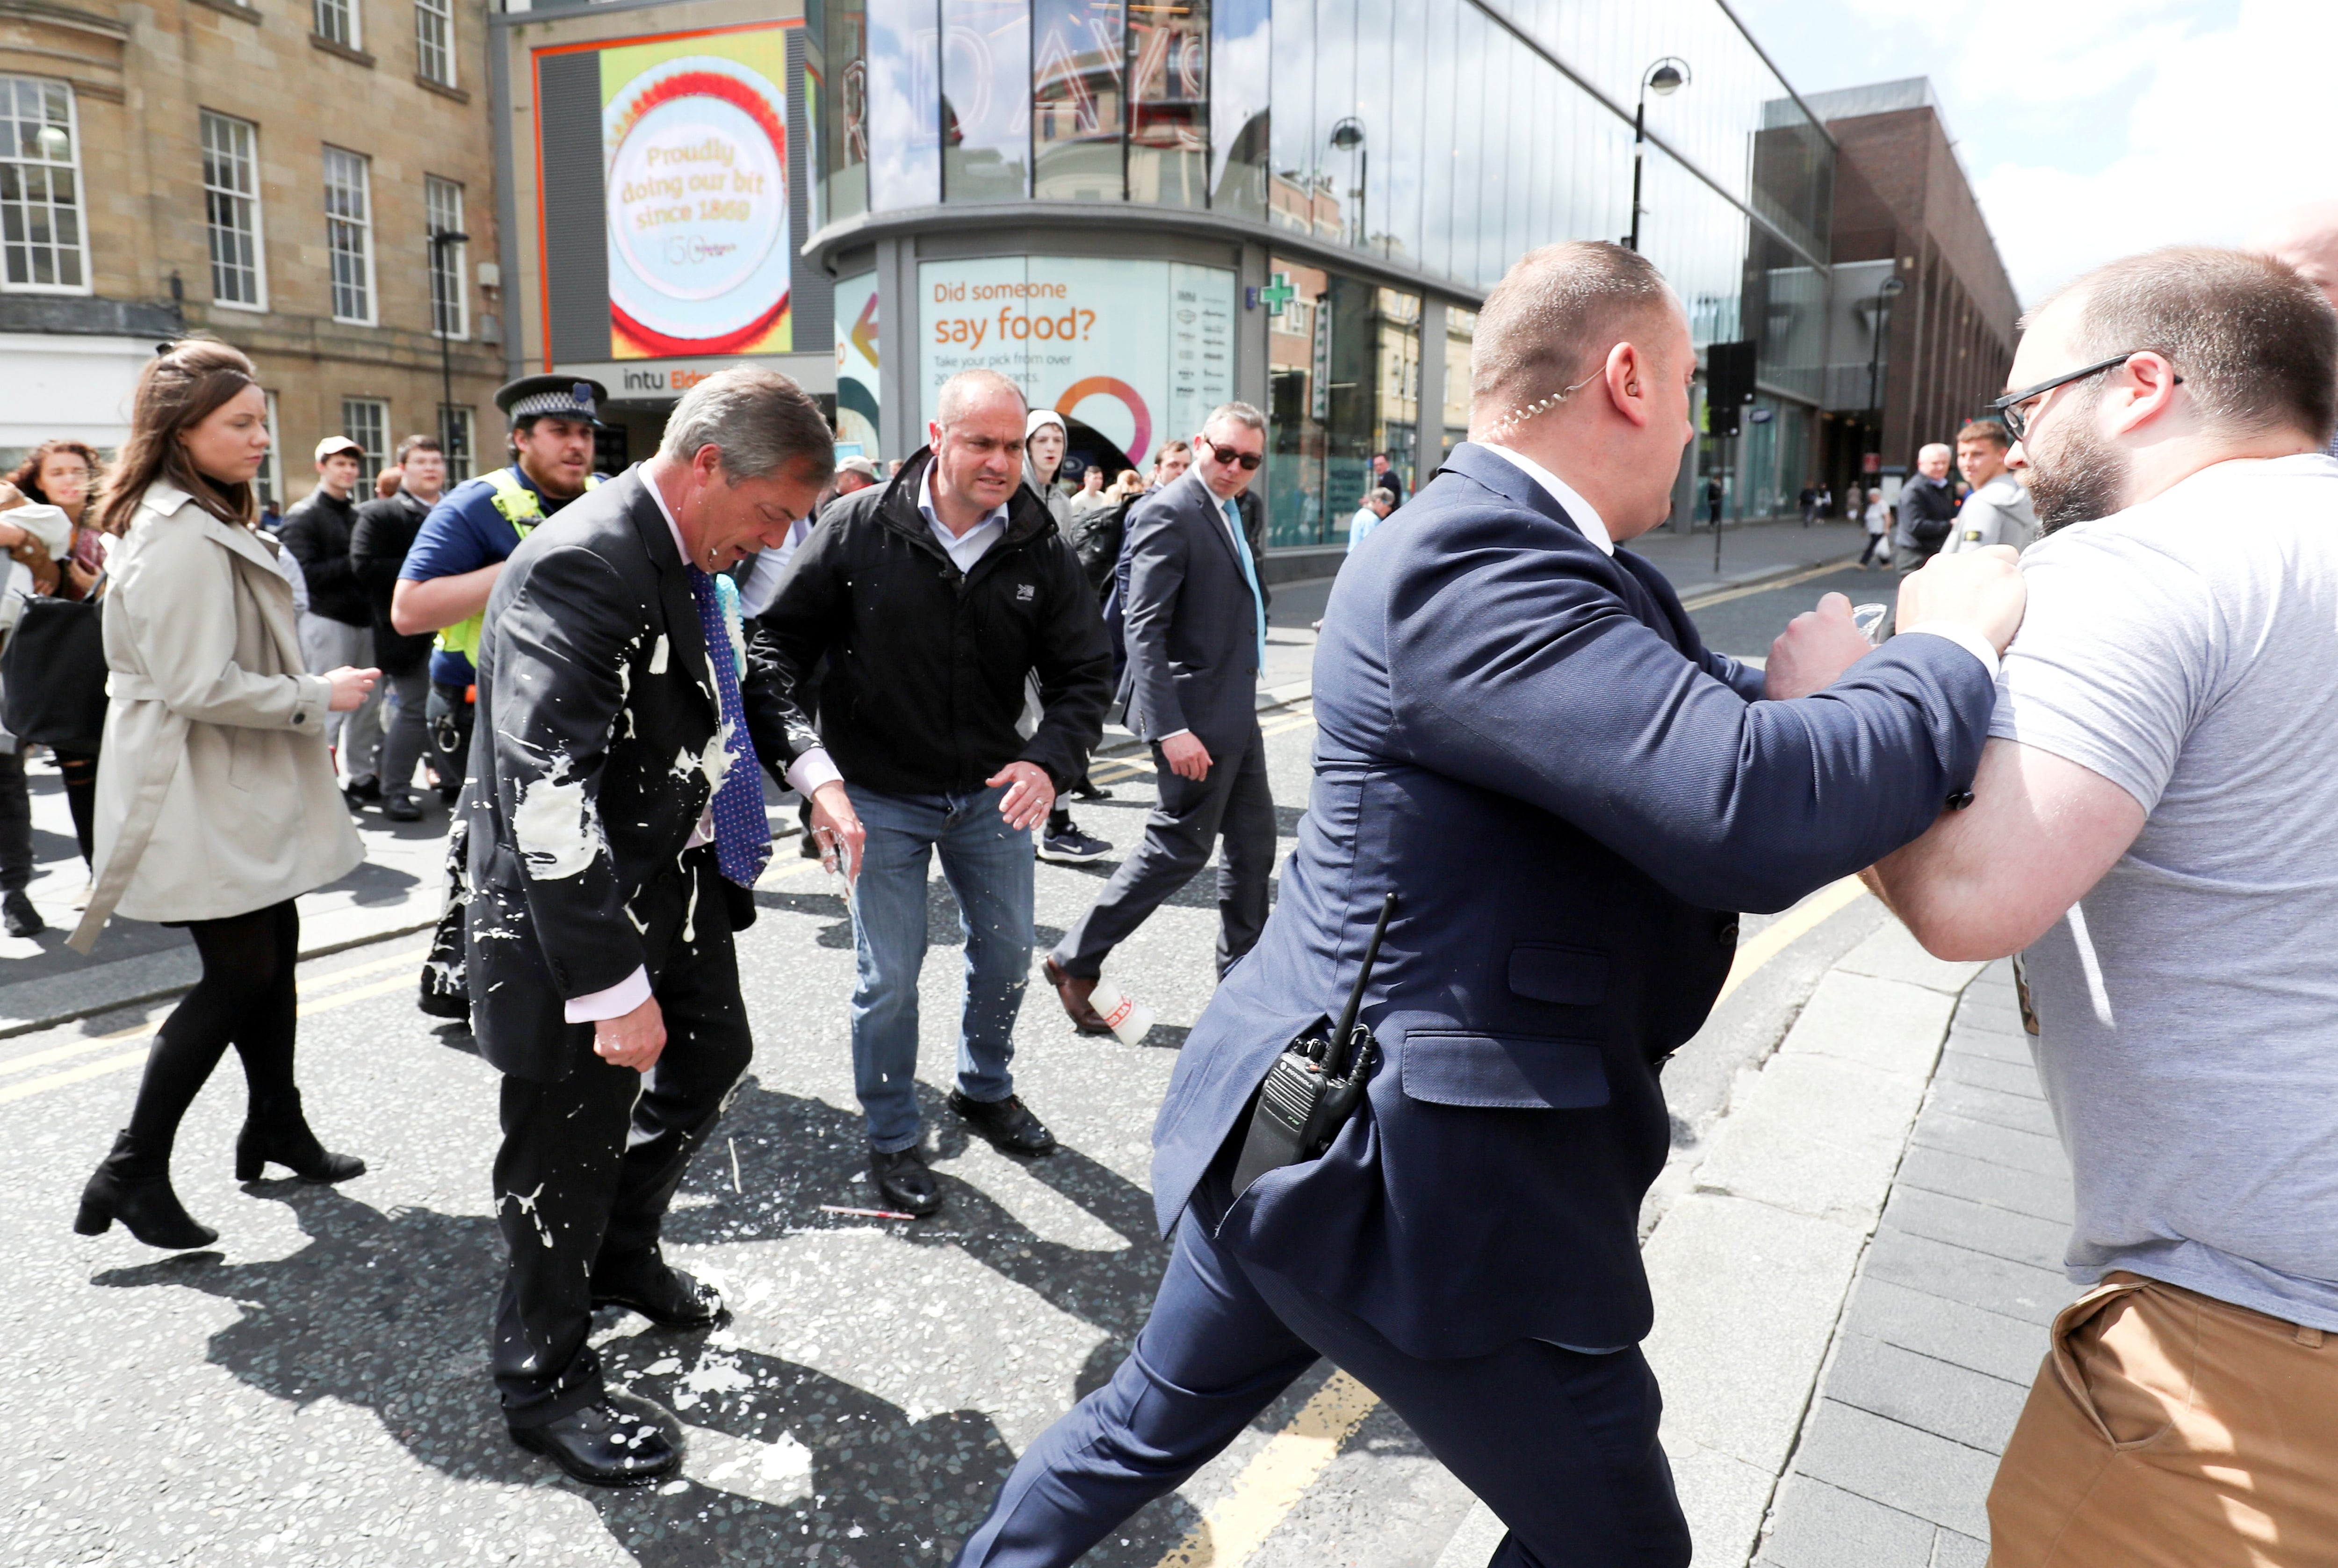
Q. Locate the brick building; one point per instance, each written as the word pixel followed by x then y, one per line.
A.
pixel 269 174
pixel 1904 209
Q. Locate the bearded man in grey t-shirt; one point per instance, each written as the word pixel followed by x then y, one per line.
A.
pixel 2155 825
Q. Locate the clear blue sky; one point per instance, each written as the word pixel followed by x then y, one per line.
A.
pixel 2096 128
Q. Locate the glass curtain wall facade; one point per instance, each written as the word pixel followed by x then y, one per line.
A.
pixel 1344 383
pixel 1435 139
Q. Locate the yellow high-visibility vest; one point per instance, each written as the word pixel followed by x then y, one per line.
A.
pixel 522 508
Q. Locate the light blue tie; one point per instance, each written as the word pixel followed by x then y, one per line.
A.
pixel 1250 575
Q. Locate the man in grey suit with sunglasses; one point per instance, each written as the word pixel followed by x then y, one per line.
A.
pixel 1196 612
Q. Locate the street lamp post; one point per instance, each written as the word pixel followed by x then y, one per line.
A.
pixel 443 312
pixel 1665 77
pixel 1348 137
pixel 1884 292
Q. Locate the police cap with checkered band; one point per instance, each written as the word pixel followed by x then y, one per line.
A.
pixel 562 397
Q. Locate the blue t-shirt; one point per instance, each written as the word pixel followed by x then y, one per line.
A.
pixel 463 533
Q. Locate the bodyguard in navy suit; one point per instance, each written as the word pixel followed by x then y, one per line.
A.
pixel 1521 734
pixel 1196 631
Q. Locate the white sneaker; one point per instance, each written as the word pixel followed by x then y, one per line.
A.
pixel 81 900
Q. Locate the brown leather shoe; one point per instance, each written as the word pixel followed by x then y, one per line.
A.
pixel 1074 992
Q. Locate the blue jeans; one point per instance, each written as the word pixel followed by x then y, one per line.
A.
pixel 987 865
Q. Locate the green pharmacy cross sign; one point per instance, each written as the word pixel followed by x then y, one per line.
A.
pixel 1278 293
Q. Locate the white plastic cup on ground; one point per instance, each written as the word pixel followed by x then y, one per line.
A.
pixel 1129 1019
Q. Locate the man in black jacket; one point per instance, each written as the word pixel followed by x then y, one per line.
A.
pixel 1100 534
pixel 338 629
pixel 616 827
pixel 933 599
pixel 1928 510
pixel 378 545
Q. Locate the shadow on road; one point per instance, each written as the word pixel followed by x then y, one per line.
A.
pixel 388 1312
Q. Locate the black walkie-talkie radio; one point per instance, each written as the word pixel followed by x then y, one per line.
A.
pixel 1314 1084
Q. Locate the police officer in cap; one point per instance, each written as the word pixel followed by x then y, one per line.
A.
pixel 443 587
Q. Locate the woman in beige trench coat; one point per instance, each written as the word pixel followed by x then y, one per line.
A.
pixel 216 801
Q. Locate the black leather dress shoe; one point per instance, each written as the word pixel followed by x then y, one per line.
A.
pixel 619 1441
pixel 658 1292
pixel 1007 1124
pixel 903 1181
pixel 20 917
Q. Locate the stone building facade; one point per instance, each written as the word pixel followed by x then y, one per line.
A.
pixel 268 174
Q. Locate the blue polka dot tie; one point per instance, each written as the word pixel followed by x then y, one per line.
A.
pixel 742 834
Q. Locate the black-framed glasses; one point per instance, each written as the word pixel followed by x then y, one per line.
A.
pixel 2009 407
pixel 1247 461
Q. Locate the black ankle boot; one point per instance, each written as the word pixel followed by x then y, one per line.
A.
pixel 133 1185
pixel 275 1130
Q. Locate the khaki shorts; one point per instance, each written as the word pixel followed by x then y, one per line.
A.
pixel 2167 1429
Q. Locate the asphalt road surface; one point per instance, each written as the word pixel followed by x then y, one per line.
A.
pixel 312 1389
pixel 1742 621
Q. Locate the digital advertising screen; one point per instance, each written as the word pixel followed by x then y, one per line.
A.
pixel 1138 351
pixel 694 130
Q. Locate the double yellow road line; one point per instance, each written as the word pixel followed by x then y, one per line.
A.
pixel 14 1087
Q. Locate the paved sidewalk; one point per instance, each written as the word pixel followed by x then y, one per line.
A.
pixel 1947 1324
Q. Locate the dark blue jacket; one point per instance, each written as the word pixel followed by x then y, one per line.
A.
pixel 1526 741
pixel 1192 624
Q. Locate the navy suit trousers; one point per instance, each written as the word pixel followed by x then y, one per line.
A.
pixel 1232 801
pixel 1560 1445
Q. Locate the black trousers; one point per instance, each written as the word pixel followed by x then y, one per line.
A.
pixel 16 824
pixel 246 999
pixel 80 771
pixel 448 712
pixel 1232 800
pixel 589 1164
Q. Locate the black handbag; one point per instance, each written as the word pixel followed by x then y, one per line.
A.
pixel 52 675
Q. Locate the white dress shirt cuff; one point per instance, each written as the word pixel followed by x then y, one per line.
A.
pixel 811 770
pixel 1171 736
pixel 615 1002
pixel 1963 638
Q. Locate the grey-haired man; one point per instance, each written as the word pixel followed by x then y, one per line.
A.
pixel 1196 629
